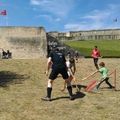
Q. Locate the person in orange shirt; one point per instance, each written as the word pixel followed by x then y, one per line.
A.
pixel 95 55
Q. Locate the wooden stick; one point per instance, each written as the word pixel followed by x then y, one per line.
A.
pixel 111 73
pixel 74 79
pixel 115 79
pixel 89 75
pixel 94 73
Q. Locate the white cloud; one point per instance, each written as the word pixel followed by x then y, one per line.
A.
pixel 98 15
pixel 57 19
pixel 82 26
pixel 72 27
pixel 48 18
pixel 57 7
pixel 35 2
pixel 97 19
pixel 104 15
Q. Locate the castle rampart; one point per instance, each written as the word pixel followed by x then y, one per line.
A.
pixel 24 42
pixel 105 34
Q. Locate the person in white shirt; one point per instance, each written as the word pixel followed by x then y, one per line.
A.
pixel 71 69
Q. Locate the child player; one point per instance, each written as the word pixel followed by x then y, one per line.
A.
pixel 104 72
pixel 71 70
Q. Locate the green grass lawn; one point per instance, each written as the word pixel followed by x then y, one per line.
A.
pixel 108 48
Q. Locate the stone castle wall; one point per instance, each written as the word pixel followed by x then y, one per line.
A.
pixel 31 42
pixel 24 42
pixel 107 34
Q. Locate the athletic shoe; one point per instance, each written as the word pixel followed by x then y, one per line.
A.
pixel 72 98
pixel 112 87
pixel 46 99
pixel 95 90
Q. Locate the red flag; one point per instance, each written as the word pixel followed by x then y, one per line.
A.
pixel 3 12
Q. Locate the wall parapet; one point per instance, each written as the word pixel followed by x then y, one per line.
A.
pixel 24 42
pixel 105 34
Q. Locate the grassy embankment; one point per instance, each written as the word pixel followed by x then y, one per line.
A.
pixel 108 48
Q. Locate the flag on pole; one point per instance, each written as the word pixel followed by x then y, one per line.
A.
pixel 3 12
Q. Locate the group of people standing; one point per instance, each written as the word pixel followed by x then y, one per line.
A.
pixel 6 54
pixel 58 65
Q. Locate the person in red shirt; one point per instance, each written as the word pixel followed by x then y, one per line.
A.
pixel 95 55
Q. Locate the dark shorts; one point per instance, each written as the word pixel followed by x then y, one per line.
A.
pixel 95 60
pixel 54 73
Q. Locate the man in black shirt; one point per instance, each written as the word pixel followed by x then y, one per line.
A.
pixel 58 62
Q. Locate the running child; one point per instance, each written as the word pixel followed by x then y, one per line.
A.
pixel 104 72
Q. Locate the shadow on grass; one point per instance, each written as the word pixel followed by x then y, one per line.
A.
pixel 7 78
pixel 79 87
pixel 77 95
pixel 108 89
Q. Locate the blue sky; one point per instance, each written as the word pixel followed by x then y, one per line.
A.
pixel 62 15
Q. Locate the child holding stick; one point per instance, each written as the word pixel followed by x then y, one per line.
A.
pixel 104 72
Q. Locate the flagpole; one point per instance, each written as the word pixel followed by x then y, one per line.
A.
pixel 6 20
pixel 4 13
pixel 0 21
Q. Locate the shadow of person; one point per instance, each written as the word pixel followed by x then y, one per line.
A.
pixel 7 78
pixel 77 95
pixel 62 97
pixel 109 89
pixel 79 86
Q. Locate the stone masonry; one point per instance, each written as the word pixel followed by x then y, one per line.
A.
pixel 105 34
pixel 24 42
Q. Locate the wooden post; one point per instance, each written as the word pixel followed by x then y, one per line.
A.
pixel 115 79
